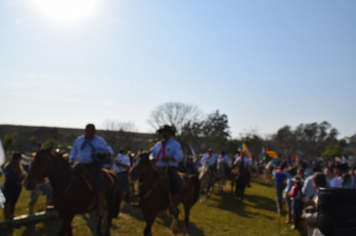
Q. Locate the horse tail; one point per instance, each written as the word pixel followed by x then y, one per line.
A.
pixel 196 184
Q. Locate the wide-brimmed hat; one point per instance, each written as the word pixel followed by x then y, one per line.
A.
pixel 166 127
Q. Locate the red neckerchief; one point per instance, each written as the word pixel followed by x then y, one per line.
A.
pixel 280 171
pixel 162 150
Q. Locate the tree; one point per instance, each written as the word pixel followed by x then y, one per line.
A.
pixel 334 151
pixel 7 143
pixel 49 143
pixel 119 134
pixel 174 114
pixel 215 130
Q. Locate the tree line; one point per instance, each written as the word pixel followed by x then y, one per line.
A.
pixel 196 132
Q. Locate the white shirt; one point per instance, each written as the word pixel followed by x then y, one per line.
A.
pixel 226 159
pixel 122 160
pixel 211 159
pixel 308 189
pixel 335 183
pixel 246 160
pixel 83 151
pixel 172 148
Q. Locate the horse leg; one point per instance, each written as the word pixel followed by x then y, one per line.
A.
pixel 66 226
pixel 148 228
pixel 174 224
pixel 186 219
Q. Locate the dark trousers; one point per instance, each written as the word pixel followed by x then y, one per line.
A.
pixel 297 210
pixel 12 192
pixel 95 169
pixel 173 180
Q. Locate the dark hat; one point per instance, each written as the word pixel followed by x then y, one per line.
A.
pixel 166 127
pixel 297 179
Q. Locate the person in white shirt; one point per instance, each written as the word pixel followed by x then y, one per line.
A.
pixel 246 163
pixel 121 166
pixel 333 181
pixel 241 156
pixel 166 154
pixel 308 188
pixel 227 162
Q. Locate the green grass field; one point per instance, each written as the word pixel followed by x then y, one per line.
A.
pixel 219 215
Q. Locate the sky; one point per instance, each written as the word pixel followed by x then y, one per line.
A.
pixel 264 64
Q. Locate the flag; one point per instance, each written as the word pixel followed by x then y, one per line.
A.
pixel 263 154
pixel 245 150
pixel 270 152
pixel 2 156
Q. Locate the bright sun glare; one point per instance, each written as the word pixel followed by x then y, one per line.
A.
pixel 67 9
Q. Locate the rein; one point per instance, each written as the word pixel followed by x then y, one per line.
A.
pixel 64 188
pixel 144 182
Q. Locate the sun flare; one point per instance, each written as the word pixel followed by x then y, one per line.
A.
pixel 67 9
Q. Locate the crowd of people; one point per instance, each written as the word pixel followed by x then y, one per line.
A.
pixel 297 185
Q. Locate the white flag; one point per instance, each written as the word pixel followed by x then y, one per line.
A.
pixel 2 156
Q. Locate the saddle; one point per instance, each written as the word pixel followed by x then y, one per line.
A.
pixel 164 181
pixel 82 173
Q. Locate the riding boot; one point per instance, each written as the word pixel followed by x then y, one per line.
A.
pixel 100 206
pixel 173 203
pixel 12 211
pixel 7 212
pixel 31 209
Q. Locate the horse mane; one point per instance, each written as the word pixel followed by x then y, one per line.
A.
pixel 49 150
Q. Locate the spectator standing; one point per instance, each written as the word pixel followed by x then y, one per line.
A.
pixel 280 179
pixel 297 200
pixel 331 179
pixel 46 189
pixel 319 180
pixel 122 165
pixel 14 175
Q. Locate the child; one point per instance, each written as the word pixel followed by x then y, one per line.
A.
pixel 297 202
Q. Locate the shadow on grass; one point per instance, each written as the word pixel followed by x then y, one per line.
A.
pixel 48 227
pixel 166 219
pixel 192 228
pixel 229 202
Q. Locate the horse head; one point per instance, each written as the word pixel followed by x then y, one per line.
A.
pixel 139 165
pixel 41 167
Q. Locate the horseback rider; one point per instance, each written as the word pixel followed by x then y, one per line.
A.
pixel 86 148
pixel 245 162
pixel 211 159
pixel 166 154
pixel 226 161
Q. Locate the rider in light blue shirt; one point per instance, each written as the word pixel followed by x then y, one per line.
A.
pixel 86 148
pixel 210 157
pixel 166 154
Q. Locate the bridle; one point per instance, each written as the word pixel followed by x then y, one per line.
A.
pixel 145 182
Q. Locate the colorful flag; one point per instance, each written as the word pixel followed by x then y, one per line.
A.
pixel 245 150
pixel 270 152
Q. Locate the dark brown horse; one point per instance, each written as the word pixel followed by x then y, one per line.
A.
pixel 70 194
pixel 239 176
pixel 153 199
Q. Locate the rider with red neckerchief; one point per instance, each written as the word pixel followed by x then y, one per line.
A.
pixel 166 154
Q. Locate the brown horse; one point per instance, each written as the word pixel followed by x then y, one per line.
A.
pixel 239 176
pixel 70 194
pixel 153 199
